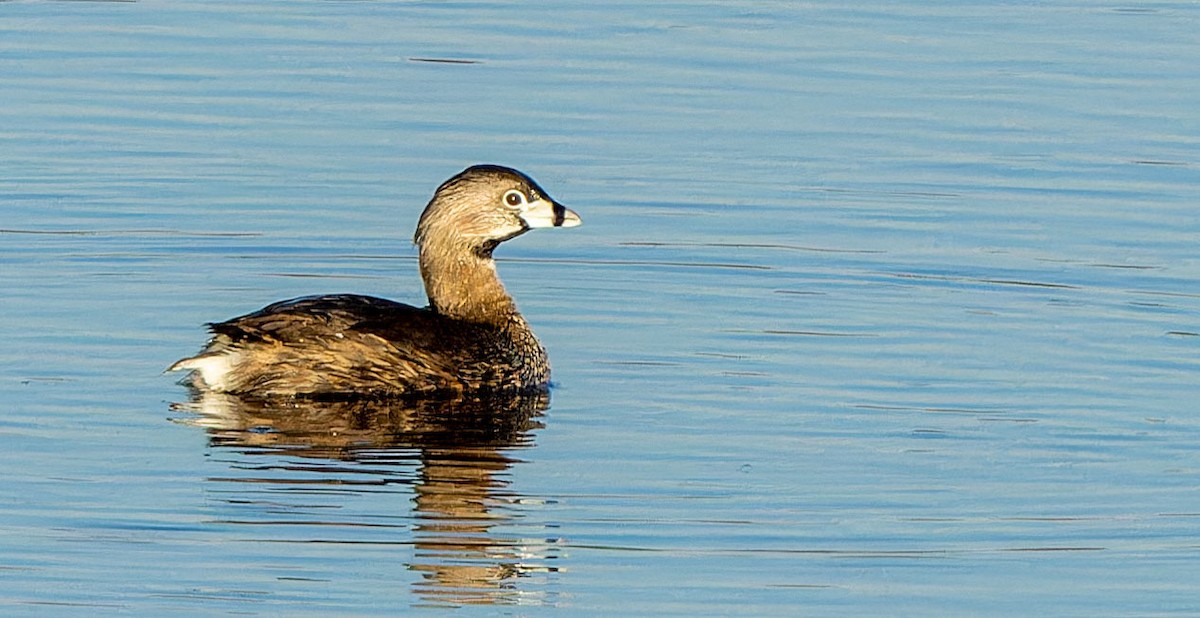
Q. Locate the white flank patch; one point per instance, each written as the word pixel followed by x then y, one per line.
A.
pixel 213 368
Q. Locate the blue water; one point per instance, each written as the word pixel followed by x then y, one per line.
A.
pixel 876 310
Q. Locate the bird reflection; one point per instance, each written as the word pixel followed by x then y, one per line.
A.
pixel 460 482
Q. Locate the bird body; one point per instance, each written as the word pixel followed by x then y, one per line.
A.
pixel 470 338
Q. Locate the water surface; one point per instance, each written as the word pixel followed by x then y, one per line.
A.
pixel 876 310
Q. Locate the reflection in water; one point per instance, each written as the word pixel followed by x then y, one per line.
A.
pixel 451 452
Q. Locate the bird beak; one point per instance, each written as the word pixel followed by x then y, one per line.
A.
pixel 547 213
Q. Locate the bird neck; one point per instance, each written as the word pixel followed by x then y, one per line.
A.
pixel 466 287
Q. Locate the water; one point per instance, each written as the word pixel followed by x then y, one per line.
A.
pixel 876 310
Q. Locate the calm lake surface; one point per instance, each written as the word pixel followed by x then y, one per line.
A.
pixel 881 310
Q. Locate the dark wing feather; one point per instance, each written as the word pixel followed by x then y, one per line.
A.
pixel 299 318
pixel 350 343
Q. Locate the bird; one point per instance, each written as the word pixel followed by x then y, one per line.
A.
pixel 469 340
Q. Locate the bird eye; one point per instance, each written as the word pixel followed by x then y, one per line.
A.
pixel 514 198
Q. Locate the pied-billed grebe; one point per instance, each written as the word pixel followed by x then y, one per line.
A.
pixel 470 338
